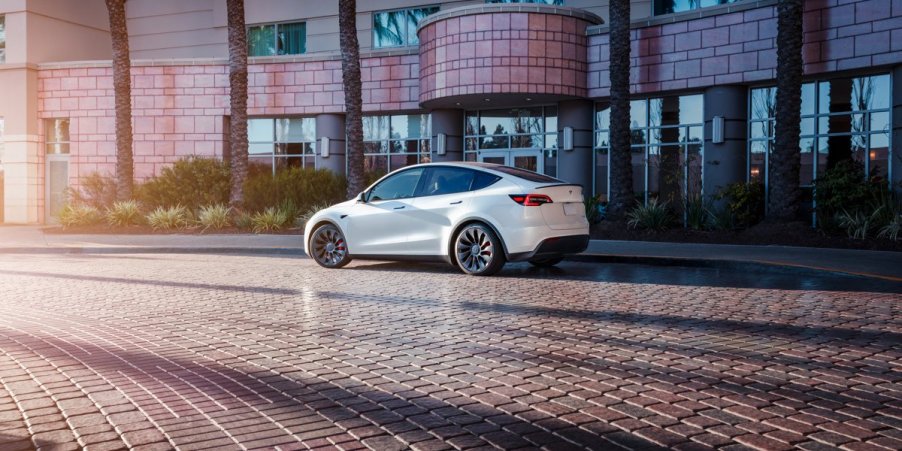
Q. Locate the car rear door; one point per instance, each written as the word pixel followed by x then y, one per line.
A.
pixel 444 196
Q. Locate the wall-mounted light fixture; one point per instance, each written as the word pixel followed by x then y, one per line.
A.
pixel 324 147
pixel 440 142
pixel 717 130
pixel 567 138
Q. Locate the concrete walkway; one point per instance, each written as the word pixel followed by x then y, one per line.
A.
pixel 877 264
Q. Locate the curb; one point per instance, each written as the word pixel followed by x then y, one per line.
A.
pixel 745 265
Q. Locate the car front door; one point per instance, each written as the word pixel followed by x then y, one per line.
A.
pixel 381 224
pixel 443 197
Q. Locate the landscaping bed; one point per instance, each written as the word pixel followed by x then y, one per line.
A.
pixel 793 234
pixel 103 229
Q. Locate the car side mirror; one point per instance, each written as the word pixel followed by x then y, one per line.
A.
pixel 361 198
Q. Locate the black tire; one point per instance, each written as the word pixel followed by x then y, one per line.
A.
pixel 478 251
pixel 328 247
pixel 546 262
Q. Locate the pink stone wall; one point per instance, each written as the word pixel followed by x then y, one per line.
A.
pixel 740 47
pixel 179 110
pixel 485 53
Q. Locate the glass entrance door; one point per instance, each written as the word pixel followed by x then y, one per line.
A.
pixel 529 159
pixel 57 184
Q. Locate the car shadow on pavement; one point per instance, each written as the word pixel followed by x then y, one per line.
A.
pixel 663 275
pixel 162 283
pixel 291 396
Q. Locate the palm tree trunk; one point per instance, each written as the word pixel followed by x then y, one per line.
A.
pixel 122 88
pixel 784 194
pixel 350 65
pixel 237 99
pixel 621 195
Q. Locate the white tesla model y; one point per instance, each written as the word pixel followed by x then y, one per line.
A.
pixel 476 216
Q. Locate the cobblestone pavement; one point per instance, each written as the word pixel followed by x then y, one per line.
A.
pixel 232 352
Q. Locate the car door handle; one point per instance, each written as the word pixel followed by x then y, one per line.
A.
pixel 398 208
pixel 457 202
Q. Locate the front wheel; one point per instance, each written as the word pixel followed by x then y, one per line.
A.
pixel 546 262
pixel 478 251
pixel 328 247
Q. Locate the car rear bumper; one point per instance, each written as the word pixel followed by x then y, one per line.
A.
pixel 554 247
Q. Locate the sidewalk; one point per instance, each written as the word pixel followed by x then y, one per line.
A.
pixel 875 264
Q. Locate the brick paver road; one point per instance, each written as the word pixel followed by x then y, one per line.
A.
pixel 230 352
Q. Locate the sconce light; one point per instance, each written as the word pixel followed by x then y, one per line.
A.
pixel 717 130
pixel 567 138
pixel 440 141
pixel 324 147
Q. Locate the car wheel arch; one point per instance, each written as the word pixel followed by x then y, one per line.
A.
pixel 321 222
pixel 467 222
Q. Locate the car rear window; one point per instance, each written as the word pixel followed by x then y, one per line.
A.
pixel 526 175
pixel 483 180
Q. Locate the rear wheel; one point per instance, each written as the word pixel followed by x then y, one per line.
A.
pixel 328 247
pixel 478 251
pixel 546 262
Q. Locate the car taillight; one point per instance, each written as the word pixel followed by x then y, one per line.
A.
pixel 531 200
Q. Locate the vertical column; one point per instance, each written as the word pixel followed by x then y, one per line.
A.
pixel 725 163
pixel 575 166
pixel 451 123
pixel 895 165
pixel 331 126
pixel 22 157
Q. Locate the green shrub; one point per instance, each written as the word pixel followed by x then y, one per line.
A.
pixel 593 213
pixel 191 183
pixel 744 202
pixel 215 217
pixel 892 229
pixel 123 214
pixel 699 213
pixel 169 218
pixel 844 189
pixel 74 215
pixel 244 221
pixel 654 216
pixel 292 188
pixel 302 219
pixel 98 191
pixel 271 219
pixel 858 225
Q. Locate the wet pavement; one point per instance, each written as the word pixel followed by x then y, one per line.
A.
pixel 161 351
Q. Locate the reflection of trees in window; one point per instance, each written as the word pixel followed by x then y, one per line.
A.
pixel 546 2
pixel 398 28
pixel 675 6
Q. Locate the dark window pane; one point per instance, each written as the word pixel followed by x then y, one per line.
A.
pixel 447 180
pixel 292 38
pixel 261 40
pixel 483 180
pixel 526 175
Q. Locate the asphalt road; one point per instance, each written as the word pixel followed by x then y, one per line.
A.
pixel 227 351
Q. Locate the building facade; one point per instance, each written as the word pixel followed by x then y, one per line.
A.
pixel 519 83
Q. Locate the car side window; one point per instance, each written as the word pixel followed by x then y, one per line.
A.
pixel 396 186
pixel 446 180
pixel 483 180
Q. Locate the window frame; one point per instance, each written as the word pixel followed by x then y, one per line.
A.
pixel 275 26
pixel 405 39
pixel 2 39
pixel 47 135
pixel 423 142
pixel 275 156
pixel 522 2
pixel 430 169
pixel 655 2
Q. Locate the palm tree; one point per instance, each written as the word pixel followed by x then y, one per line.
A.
pixel 350 68
pixel 237 99
pixel 621 195
pixel 122 89
pixel 784 195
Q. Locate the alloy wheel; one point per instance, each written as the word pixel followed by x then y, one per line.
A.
pixel 329 247
pixel 475 249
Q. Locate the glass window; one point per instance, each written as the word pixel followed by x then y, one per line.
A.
pixel 277 39
pixel 483 180
pixel 398 28
pixel 2 145
pixel 56 132
pixel 546 2
pixel 667 141
pixel 398 186
pixel 282 143
pixel 676 6
pixel 446 180
pixel 526 175
pixel 392 142
pixel 2 39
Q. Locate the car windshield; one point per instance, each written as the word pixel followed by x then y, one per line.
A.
pixel 526 175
